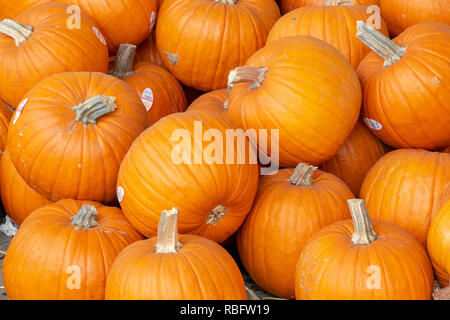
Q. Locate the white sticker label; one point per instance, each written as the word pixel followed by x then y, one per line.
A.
pixel 19 110
pixel 120 193
pixel 147 98
pixel 99 35
pixel 373 124
pixel 152 21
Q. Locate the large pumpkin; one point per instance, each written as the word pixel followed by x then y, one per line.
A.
pixel 404 187
pixel 172 267
pixel 65 250
pixel 201 41
pixel 304 88
pixel 335 25
pixel 358 260
pixel 160 91
pixel 289 208
pixel 213 101
pixel 354 159
pixel 38 44
pixel 71 132
pixel 178 162
pixel 5 117
pixel 288 5
pixel 147 51
pixel 406 86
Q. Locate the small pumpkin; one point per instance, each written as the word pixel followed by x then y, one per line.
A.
pixel 64 251
pixel 147 51
pixel 363 260
pixel 203 269
pixel 5 117
pixel 160 92
pixel 290 206
pixel 288 5
pixel 213 101
pixel 68 139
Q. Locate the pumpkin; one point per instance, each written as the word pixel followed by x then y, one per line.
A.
pixel 360 259
pixel 404 187
pixel 10 9
pixel 335 25
pixel 401 14
pixel 5 116
pixel 172 267
pixel 288 5
pixel 406 86
pixel 147 51
pixel 29 52
pixel 201 49
pixel 290 206
pixel 213 101
pixel 446 150
pixel 160 92
pixel 354 159
pixel 212 187
pixel 65 251
pixel 296 85
pixel 69 136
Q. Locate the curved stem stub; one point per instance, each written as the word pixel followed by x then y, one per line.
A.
pixel 85 217
pixel 89 111
pixel 253 75
pixel 168 232
pixel 15 30
pixel 364 233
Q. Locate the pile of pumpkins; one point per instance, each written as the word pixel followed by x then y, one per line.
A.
pixel 91 95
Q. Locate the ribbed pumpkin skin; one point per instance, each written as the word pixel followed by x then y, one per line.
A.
pixel 335 25
pixel 401 14
pixel 10 9
pixel 18 198
pixel 63 158
pixel 147 51
pixel 46 245
pixel 282 219
pixel 297 100
pixel 214 40
pixel 200 270
pixel 288 5
pixel 404 188
pixel 52 48
pixel 152 181
pixel 212 101
pixel 410 98
pixel 446 150
pixel 354 159
pixel 168 95
pixel 5 116
pixel 331 267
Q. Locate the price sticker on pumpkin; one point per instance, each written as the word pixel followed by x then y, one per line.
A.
pixel 19 110
pixel 99 35
pixel 152 21
pixel 120 193
pixel 373 124
pixel 147 98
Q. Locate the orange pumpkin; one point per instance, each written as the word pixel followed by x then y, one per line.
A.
pixel 213 101
pixel 147 51
pixel 5 116
pixel 175 163
pixel 69 136
pixel 358 260
pixel 406 86
pixel 297 85
pixel 160 92
pixel 38 44
pixel 446 150
pixel 335 25
pixel 65 250
pixel 288 5
pixel 289 208
pixel 10 9
pixel 404 187
pixel 354 159
pixel 201 49
pixel 203 269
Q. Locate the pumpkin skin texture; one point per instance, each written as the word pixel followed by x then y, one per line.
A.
pixel 197 48
pixel 10 9
pixel 213 199
pixel 331 267
pixel 354 159
pixel 212 101
pixel 288 5
pixel 18 198
pixel 64 158
pixel 335 25
pixel 147 51
pixel 404 187
pixel 296 99
pixel 282 219
pixel 41 55
pixel 5 116
pixel 406 103
pixel 47 249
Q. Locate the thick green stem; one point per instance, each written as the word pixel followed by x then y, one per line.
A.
pixel 17 31
pixel 124 61
pixel 364 233
pixel 168 232
pixel 85 218
pixel 303 175
pixel 89 111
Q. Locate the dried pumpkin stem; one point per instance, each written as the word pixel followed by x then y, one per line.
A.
pixel 168 232
pixel 364 233
pixel 216 215
pixel 379 43
pixel 339 3
pixel 443 294
pixel 254 75
pixel 89 111
pixel 303 175
pixel 123 65
pixel 232 2
pixel 85 217
pixel 15 30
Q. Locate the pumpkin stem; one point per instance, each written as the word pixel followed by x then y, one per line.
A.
pixel 303 175
pixel 168 232
pixel 254 75
pixel 364 233
pixel 379 43
pixel 339 3
pixel 85 217
pixel 232 2
pixel 15 30
pixel 123 65
pixel 93 108
pixel 443 294
pixel 216 215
